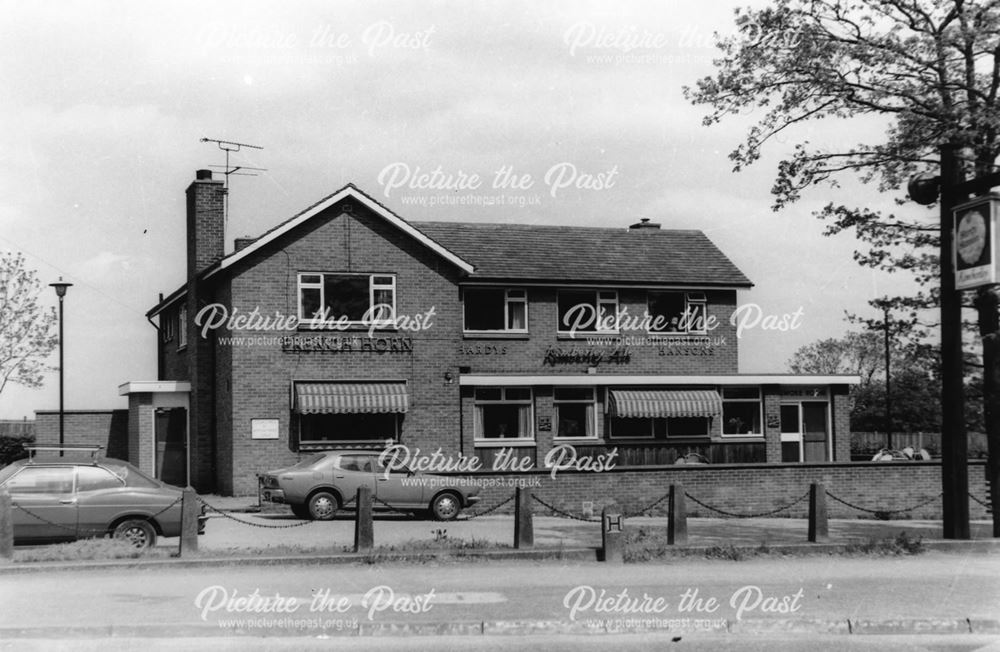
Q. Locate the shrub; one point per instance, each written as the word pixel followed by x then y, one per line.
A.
pixel 12 447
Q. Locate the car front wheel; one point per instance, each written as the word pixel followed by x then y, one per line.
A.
pixel 137 532
pixel 446 506
pixel 323 506
pixel 300 511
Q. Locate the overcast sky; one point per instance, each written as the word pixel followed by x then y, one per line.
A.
pixel 103 105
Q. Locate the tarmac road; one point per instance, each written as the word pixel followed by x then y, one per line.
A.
pixel 819 595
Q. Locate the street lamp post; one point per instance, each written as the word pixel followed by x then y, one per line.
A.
pixel 60 288
pixel 952 188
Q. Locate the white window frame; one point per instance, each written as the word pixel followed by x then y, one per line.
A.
pixel 689 300
pixel 509 298
pixel 168 325
pixel 182 340
pixel 592 405
pixel 610 299
pixel 523 440
pixel 320 285
pixel 760 407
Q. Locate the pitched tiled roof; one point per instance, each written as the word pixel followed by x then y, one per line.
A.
pixel 587 254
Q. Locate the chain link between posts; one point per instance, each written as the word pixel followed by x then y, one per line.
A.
pixel 751 515
pixel 878 512
pixel 469 517
pixel 981 502
pixel 563 513
pixel 265 526
pixel 85 533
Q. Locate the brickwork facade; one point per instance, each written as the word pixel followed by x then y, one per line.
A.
pixel 239 375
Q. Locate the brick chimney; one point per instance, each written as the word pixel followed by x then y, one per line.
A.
pixel 644 224
pixel 206 200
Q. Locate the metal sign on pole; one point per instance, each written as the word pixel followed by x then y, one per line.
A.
pixel 975 251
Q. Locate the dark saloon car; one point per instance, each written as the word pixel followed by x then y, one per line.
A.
pixel 322 483
pixel 77 497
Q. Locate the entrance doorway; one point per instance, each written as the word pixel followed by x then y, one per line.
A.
pixel 805 432
pixel 170 464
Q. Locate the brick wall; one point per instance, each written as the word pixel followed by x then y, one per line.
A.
pixel 107 428
pixel 747 489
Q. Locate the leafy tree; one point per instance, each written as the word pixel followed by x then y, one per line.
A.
pixel 855 353
pixel 928 69
pixel 27 329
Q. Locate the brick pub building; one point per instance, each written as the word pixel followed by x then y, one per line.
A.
pixel 487 338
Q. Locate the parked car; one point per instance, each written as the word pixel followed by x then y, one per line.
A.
pixel 85 496
pixel 323 483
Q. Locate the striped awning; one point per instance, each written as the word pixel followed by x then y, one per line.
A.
pixel 665 403
pixel 340 398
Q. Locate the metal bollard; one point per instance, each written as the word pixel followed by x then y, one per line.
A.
pixel 524 532
pixel 819 531
pixel 364 526
pixel 612 536
pixel 677 525
pixel 6 527
pixel 189 521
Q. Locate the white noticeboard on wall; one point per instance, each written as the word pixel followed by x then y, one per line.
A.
pixel 975 255
pixel 263 428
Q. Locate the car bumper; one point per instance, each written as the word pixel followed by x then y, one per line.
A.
pixel 471 500
pixel 272 495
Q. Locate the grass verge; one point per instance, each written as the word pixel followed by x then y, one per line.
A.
pixel 85 550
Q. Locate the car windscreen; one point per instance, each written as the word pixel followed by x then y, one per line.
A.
pixel 8 471
pixel 132 476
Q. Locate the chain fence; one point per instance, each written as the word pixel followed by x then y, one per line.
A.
pixel 490 510
pixel 266 526
pixel 884 513
pixel 764 514
pixel 982 503
pixel 563 513
pixel 88 532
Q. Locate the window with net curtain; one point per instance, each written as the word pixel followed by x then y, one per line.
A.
pixel 495 309
pixel 503 413
pixel 575 409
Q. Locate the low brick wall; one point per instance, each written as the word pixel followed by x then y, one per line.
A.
pixel 747 489
pixel 107 428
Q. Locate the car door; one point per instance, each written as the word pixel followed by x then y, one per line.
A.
pixel 398 488
pixel 350 472
pixel 45 505
pixel 99 497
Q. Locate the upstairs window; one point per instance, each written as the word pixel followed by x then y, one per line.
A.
pixel 678 312
pixel 495 310
pixel 168 326
pixel 354 298
pixel 588 311
pixel 182 335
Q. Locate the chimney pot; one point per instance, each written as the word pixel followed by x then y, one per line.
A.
pixel 240 244
pixel 203 175
pixel 644 224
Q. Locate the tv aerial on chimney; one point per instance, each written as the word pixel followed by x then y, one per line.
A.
pixel 228 147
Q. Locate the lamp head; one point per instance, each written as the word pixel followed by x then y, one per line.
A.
pixel 60 287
